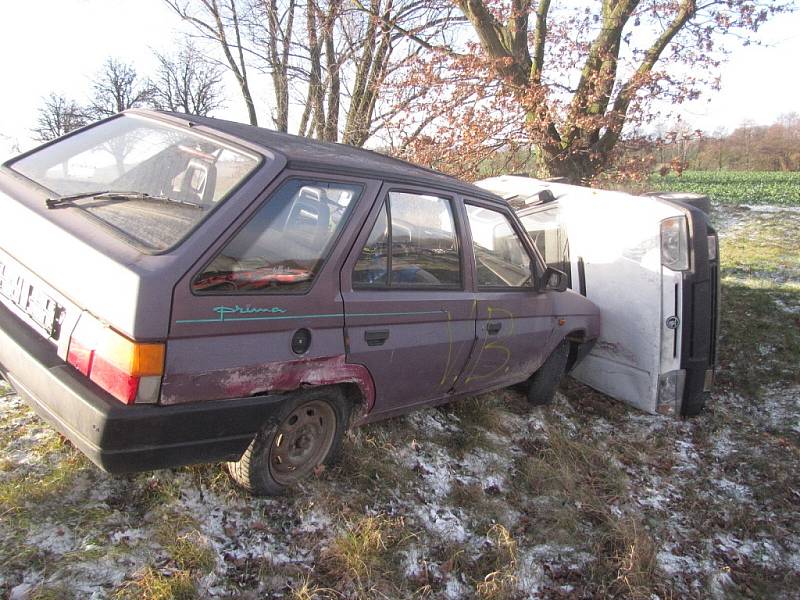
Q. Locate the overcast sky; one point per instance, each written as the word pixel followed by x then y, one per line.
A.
pixel 59 45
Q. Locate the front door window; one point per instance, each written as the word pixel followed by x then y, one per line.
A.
pixel 500 255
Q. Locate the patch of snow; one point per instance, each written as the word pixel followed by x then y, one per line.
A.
pixel 687 456
pixel 793 561
pixel 54 538
pixel 411 562
pixel 20 592
pixel 653 497
pixel 530 573
pixel 128 535
pixel 793 310
pixel 315 520
pixel 765 349
pixel 718 581
pixel 443 522
pixel 771 208
pixel 722 445
pixel 91 579
pixel 228 529
pixel 434 464
pixel 781 408
pixel 431 421
pixel 455 589
pixel 734 489
pixel 494 483
pixel 763 552
pixel 488 467
pixel 674 564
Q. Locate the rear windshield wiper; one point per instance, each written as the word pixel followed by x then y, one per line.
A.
pixel 113 195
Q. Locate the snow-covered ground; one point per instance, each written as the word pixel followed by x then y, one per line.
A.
pixel 486 498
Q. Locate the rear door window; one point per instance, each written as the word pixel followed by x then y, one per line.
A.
pixel 419 250
pixel 283 246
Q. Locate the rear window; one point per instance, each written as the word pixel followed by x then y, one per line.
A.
pixel 183 175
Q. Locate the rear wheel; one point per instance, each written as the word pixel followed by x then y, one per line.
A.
pixel 542 384
pixel 287 450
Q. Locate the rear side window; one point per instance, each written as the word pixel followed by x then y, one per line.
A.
pixel 282 248
pixel 420 249
pixel 500 255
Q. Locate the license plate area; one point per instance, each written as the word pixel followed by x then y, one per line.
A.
pixel 40 308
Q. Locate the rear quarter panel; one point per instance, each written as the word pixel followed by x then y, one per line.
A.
pixel 249 353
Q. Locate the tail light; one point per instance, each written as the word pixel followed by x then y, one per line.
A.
pixel 130 371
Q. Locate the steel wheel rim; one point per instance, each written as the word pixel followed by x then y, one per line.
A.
pixel 302 441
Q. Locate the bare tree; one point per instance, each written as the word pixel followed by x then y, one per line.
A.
pixel 271 29
pixel 220 21
pixel 187 82
pixel 116 88
pixel 58 116
pixel 8 145
pixel 372 63
pixel 328 60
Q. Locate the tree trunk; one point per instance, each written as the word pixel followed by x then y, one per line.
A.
pixel 576 168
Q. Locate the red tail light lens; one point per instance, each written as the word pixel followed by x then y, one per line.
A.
pixel 111 360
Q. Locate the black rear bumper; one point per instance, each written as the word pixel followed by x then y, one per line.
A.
pixel 119 438
pixel 700 316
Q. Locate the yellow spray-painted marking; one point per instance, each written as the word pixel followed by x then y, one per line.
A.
pixel 449 347
pixel 473 314
pixel 496 344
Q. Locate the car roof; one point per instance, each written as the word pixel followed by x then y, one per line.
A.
pixel 306 153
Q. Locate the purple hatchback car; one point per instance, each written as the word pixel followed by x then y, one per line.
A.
pixel 177 289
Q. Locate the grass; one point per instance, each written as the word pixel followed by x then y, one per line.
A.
pixel 501 558
pixel 761 275
pixel 24 493
pixel 629 558
pixel 154 585
pixel 736 187
pixel 307 590
pixel 766 248
pixel 588 495
pixel 191 553
pixel 45 592
pixel 356 556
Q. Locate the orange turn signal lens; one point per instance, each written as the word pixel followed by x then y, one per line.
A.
pixel 134 359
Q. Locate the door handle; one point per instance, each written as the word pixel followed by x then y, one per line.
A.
pixel 493 327
pixel 376 337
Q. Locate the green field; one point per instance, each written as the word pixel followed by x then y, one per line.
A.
pixel 736 187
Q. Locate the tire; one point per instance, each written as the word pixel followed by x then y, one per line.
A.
pixel 542 384
pixel 307 433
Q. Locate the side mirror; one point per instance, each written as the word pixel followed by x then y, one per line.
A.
pixel 552 279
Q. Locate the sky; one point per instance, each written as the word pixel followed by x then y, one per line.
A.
pixel 59 46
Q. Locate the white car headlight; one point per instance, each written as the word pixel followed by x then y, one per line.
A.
pixel 675 243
